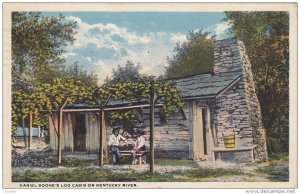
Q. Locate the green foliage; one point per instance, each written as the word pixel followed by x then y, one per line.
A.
pixel 194 56
pixel 129 90
pixel 61 92
pixel 127 118
pixel 266 37
pixel 23 102
pixel 279 158
pixel 77 72
pixel 46 97
pixel 74 71
pixel 38 43
pixel 129 72
pixel 43 99
pixel 166 94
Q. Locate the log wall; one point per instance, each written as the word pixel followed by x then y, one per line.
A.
pixel 172 139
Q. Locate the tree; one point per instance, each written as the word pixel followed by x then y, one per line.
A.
pixel 70 72
pixel 194 56
pixel 129 72
pixel 77 72
pixel 266 37
pixel 38 43
pixel 26 103
pixel 74 71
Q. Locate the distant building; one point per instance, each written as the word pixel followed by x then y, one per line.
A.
pixel 19 134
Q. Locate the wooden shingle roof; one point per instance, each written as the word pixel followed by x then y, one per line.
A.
pixel 205 85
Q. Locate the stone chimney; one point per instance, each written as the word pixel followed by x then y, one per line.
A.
pixel 227 56
pixel 230 57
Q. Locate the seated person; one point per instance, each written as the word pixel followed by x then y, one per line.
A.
pixel 115 144
pixel 124 133
pixel 127 136
pixel 124 144
pixel 139 145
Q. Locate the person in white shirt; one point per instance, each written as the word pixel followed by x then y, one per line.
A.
pixel 139 145
pixel 115 144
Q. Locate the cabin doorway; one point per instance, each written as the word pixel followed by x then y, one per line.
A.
pixel 79 133
pixel 201 133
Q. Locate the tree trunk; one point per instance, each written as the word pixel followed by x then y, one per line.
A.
pixel 101 127
pixel 59 136
pixel 152 128
pixel 30 130
pixel 24 132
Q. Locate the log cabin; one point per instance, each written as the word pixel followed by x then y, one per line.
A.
pixel 221 119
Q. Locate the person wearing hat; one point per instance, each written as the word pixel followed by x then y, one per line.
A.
pixel 115 143
pixel 139 144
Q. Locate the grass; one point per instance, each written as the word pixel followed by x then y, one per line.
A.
pixel 80 170
pixel 166 162
pixel 88 175
pixel 72 162
pixel 275 174
pixel 76 172
pixel 276 170
pixel 206 173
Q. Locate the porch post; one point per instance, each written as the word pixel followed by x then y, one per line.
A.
pixel 101 123
pixel 24 131
pixel 151 126
pixel 59 135
pixel 30 130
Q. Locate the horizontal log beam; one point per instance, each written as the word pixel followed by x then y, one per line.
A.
pixel 109 109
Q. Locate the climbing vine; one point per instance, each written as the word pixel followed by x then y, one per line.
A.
pixel 121 117
pixel 45 98
pixel 166 94
pixel 54 96
pixel 25 102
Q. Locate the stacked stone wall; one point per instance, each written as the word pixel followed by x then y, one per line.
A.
pixel 237 110
pixel 231 115
pixel 255 116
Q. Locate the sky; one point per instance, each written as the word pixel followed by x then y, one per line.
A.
pixel 105 40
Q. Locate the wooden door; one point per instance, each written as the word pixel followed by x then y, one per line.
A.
pixel 79 133
pixel 201 133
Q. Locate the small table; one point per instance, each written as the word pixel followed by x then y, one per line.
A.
pixel 221 149
pixel 141 155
